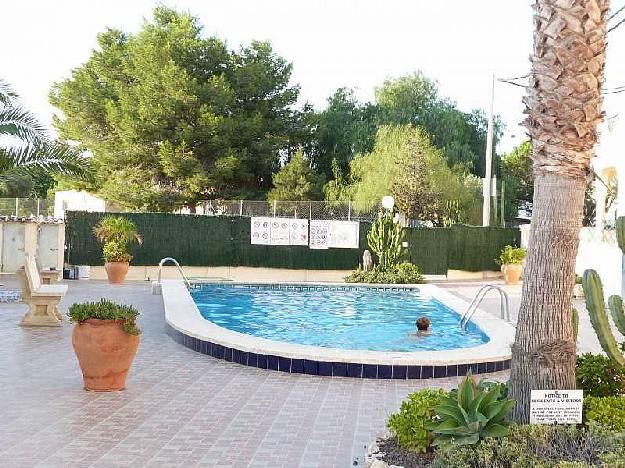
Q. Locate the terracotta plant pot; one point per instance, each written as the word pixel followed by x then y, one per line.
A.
pixel 105 353
pixel 512 273
pixel 116 271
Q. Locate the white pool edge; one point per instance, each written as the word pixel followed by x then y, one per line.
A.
pixel 182 314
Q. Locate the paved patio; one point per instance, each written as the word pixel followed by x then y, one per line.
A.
pixel 181 408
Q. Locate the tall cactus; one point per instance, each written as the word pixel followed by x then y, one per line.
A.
pixel 385 239
pixel 593 291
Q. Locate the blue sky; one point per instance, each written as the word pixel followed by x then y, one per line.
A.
pixel 355 43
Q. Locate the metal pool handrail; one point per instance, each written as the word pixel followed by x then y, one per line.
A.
pixel 504 304
pixel 178 267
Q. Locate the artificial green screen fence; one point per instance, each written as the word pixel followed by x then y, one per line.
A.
pixel 225 241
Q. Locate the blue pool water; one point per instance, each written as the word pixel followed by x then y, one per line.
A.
pixel 362 318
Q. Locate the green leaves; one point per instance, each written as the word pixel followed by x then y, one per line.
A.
pixel 172 117
pixel 26 150
pixel 115 233
pixel 385 240
pixel 410 424
pixel 296 181
pixel 401 273
pixel 472 413
pixel 106 310
pixel 511 255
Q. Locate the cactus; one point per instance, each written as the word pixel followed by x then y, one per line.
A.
pixel 575 322
pixel 385 239
pixel 593 292
pixel 615 303
pixel 620 232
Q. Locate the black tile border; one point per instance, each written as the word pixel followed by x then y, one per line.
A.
pixel 336 369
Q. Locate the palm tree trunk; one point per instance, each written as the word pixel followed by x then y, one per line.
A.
pixel 544 349
pixel 564 108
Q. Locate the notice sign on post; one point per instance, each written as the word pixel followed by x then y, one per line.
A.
pixel 556 406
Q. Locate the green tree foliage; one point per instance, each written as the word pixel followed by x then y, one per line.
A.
pixel 345 128
pixel 172 117
pixel 404 161
pixel 28 156
pixel 296 181
pixel 414 100
pixel 516 173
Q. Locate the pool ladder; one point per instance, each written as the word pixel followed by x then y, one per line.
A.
pixel 156 285
pixel 477 300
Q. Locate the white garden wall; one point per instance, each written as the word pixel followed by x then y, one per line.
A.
pixel 44 240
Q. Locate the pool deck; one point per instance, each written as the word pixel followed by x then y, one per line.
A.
pixel 180 408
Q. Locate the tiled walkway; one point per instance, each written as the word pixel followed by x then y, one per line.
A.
pixel 180 408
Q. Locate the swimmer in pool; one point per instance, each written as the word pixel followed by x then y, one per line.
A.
pixel 423 326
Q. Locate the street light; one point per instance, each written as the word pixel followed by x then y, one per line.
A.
pixel 388 202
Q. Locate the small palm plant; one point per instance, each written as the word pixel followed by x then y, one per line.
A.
pixel 26 148
pixel 116 233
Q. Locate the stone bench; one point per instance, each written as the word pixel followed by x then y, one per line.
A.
pixel 42 299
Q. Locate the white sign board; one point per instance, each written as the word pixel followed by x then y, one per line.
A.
pixel 319 234
pixel 279 231
pixel 556 406
pixel 298 232
pixel 344 234
pixel 260 231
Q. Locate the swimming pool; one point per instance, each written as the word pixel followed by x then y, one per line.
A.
pixel 359 318
pixel 276 326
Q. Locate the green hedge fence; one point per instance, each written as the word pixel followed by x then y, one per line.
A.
pixel 225 241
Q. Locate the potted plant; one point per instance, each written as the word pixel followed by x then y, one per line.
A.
pixel 116 233
pixel 510 260
pixel 105 340
pixel 578 290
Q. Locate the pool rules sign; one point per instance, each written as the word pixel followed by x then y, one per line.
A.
pixel 556 406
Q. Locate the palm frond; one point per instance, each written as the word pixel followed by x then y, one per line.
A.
pixel 7 94
pixel 21 123
pixel 49 156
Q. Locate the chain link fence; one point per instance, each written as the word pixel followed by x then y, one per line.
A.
pixel 26 207
pixel 287 209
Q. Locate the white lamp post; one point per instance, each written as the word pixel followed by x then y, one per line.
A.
pixel 388 202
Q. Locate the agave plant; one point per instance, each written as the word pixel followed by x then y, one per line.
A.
pixel 472 413
pixel 26 148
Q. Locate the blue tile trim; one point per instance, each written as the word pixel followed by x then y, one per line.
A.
pixel 299 287
pixel 336 369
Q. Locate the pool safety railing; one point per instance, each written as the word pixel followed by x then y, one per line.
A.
pixel 477 300
pixel 156 285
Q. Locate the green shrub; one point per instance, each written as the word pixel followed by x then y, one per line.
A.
pixel 608 412
pixel 106 310
pixel 116 233
pixel 599 376
pixel 470 415
pixel 113 252
pixel 415 412
pixel 538 447
pixel 401 273
pixel 511 255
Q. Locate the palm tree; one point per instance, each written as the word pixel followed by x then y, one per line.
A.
pixel 26 148
pixel 563 104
